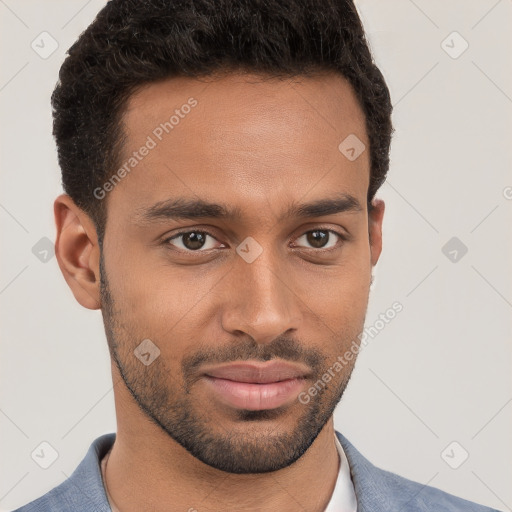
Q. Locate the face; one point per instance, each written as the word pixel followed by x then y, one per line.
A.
pixel 240 245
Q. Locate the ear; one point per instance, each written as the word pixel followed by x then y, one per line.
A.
pixel 375 216
pixel 77 251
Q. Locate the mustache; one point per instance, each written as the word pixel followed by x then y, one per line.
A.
pixel 279 348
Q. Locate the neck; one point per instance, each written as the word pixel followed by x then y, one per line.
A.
pixel 148 470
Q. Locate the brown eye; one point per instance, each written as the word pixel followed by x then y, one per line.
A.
pixel 317 238
pixel 321 238
pixel 192 241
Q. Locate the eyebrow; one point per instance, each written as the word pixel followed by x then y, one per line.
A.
pixel 184 208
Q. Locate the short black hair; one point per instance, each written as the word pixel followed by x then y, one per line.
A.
pixel 135 42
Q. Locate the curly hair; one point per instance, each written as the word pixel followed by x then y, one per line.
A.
pixel 135 42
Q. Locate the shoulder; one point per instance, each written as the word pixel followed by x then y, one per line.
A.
pixel 419 497
pixel 83 490
pixel 59 499
pixel 383 491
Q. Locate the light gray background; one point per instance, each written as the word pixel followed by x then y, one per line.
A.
pixel 438 373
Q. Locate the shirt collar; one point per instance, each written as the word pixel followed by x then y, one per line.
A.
pixel 343 498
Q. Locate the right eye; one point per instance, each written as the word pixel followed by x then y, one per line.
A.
pixel 191 241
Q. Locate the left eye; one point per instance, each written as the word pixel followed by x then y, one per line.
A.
pixel 321 238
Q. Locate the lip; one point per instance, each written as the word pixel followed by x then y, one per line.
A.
pixel 258 373
pixel 256 386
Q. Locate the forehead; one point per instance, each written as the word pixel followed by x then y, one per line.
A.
pixel 241 139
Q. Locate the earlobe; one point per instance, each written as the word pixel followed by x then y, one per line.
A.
pixel 77 251
pixel 375 217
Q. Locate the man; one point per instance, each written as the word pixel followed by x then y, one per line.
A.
pixel 220 161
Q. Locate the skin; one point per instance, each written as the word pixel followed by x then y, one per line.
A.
pixel 259 145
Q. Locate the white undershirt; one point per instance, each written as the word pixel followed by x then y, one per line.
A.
pixel 343 498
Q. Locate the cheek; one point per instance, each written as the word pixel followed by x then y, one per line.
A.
pixel 158 300
pixel 340 287
pixel 338 295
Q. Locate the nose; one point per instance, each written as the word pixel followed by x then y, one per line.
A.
pixel 261 301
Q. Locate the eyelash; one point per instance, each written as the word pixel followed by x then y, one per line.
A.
pixel 342 237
